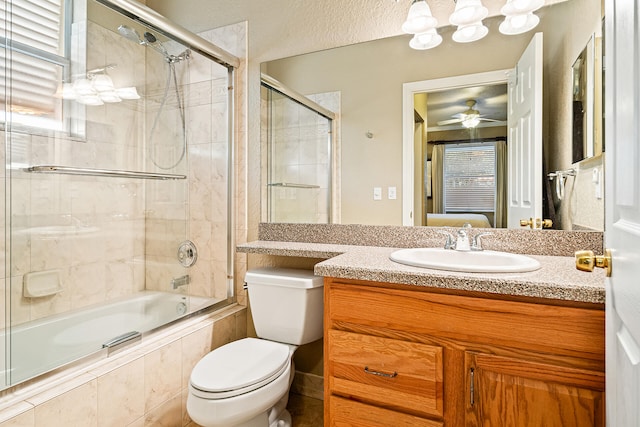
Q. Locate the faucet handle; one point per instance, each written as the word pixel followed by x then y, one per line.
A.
pixel 450 243
pixel 476 245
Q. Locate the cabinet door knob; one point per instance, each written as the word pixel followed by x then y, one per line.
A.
pixel 587 261
pixel 380 374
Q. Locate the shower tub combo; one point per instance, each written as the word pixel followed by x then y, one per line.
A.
pixel 102 198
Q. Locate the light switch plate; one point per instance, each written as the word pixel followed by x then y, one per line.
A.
pixel 392 194
pixel 377 193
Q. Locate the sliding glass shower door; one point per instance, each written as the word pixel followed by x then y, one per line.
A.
pixel 299 135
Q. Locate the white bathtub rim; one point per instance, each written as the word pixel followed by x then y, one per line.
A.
pixel 28 394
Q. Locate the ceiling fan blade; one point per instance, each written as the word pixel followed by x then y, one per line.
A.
pixel 490 120
pixel 449 122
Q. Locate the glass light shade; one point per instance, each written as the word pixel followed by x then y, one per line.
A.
pixel 102 83
pixel 83 87
pixel 470 33
pixel 519 7
pixel 471 121
pixel 468 12
pixel 90 100
pixel 65 91
pixel 128 93
pixel 109 96
pixel 419 19
pixel 426 40
pixel 518 24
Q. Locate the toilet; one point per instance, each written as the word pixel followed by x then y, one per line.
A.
pixel 246 382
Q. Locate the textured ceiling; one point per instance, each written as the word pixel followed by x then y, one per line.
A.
pixel 282 28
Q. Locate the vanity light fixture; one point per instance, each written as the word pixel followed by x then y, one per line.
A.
pixel 519 17
pixel 468 16
pixel 96 88
pixel 421 23
pixel 419 20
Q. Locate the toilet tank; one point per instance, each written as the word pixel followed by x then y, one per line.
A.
pixel 286 304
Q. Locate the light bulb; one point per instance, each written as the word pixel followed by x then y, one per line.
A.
pixel 470 33
pixel 426 40
pixel 471 121
pixel 518 24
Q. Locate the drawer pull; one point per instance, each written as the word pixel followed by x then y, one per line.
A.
pixel 380 374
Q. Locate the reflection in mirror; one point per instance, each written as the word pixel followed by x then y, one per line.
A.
pixel 298 133
pixel 369 78
pixel 587 102
pixel 462 133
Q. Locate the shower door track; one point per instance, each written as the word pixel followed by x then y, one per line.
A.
pixel 66 170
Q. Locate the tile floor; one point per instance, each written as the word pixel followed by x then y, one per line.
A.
pixel 305 411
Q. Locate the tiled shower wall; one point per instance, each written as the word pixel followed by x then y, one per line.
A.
pixel 88 229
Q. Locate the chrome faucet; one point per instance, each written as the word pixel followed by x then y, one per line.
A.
pixel 476 245
pixel 462 241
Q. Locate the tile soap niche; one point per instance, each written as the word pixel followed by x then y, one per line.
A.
pixel 41 284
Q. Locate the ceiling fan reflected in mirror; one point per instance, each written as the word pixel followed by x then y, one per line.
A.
pixel 470 118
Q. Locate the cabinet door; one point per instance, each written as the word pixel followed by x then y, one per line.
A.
pixel 510 392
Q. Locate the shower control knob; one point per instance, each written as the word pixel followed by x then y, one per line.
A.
pixel 187 253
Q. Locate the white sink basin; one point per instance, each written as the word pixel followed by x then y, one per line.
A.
pixel 469 261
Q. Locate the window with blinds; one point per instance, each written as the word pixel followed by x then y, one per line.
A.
pixel 33 55
pixel 469 178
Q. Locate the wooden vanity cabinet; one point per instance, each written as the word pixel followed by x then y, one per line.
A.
pixel 407 356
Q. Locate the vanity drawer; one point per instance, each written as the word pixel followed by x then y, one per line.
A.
pixel 345 412
pixel 397 374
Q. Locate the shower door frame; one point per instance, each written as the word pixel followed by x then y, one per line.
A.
pixel 162 25
pixel 276 86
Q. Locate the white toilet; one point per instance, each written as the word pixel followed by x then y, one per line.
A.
pixel 246 382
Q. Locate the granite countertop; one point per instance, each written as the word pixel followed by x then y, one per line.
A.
pixel 557 279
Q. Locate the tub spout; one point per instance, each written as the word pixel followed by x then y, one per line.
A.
pixel 180 281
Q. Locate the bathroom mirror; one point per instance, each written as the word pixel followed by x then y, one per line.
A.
pixel 369 76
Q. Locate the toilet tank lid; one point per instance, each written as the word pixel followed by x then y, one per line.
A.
pixel 285 277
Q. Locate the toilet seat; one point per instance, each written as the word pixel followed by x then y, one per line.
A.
pixel 217 375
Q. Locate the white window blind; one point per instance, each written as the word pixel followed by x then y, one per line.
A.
pixel 34 62
pixel 469 178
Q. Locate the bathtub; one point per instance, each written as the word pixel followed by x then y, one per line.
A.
pixel 46 344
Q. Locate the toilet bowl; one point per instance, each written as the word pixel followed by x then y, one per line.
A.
pixel 246 382
pixel 239 382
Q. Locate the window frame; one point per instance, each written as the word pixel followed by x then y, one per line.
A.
pixel 470 145
pixel 63 61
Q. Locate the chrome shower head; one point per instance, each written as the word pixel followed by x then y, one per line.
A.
pixel 130 34
pixel 149 39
